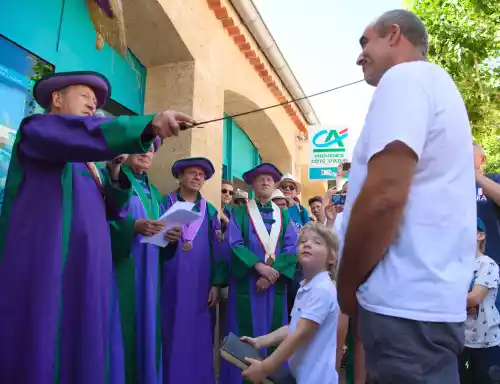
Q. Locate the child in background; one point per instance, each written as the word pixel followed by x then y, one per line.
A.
pixel 309 343
pixel 480 359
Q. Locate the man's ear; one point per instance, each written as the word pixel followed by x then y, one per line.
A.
pixel 57 99
pixel 394 32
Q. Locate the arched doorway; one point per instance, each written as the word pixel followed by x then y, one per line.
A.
pixel 249 140
pixel 239 154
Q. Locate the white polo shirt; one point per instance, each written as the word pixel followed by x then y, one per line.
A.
pixel 316 301
pixel 425 273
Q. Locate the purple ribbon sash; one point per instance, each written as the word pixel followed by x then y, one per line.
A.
pixel 189 231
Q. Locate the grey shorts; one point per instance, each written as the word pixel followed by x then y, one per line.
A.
pixel 402 351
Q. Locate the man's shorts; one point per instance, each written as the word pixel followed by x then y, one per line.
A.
pixel 403 351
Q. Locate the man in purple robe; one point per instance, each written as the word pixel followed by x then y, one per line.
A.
pixel 55 250
pixel 263 244
pixel 135 348
pixel 190 291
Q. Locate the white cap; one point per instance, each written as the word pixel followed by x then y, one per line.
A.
pixel 240 194
pixel 277 194
pixel 289 177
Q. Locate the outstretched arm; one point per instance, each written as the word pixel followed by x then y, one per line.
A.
pixel 65 139
pixel 302 334
pixel 270 340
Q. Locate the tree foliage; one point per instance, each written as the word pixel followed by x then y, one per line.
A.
pixel 465 40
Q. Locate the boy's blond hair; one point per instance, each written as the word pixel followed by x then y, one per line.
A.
pixel 330 238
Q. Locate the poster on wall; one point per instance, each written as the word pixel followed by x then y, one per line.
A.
pixel 19 70
pixel 327 149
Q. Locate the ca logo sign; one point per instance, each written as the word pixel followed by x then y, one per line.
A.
pixel 325 139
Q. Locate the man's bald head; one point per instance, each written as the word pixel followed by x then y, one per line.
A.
pixel 396 37
pixel 411 27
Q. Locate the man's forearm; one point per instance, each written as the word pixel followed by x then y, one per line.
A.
pixel 491 188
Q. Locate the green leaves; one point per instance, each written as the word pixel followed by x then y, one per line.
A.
pixel 465 40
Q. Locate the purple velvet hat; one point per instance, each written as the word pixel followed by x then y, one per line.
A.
pixel 201 162
pixel 157 143
pixel 262 169
pixel 53 82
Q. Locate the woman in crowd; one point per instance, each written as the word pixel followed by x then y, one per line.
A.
pixel 291 188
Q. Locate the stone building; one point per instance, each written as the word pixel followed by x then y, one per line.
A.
pixel 203 57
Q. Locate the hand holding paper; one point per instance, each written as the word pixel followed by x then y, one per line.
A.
pixel 178 215
pixel 173 234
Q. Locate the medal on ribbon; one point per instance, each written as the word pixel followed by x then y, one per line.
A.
pixel 270 259
pixel 189 231
pixel 269 241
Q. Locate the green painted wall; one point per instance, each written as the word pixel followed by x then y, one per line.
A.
pixel 239 154
pixel 61 32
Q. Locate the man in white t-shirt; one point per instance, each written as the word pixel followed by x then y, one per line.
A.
pixel 410 216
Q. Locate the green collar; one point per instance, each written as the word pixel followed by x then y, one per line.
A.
pixel 179 197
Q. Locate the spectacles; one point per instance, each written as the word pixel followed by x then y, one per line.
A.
pixel 289 187
pixel 239 201
pixel 224 191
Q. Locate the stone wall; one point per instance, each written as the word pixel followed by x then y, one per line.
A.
pixel 196 66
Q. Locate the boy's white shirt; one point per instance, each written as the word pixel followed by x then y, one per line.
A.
pixel 482 330
pixel 315 362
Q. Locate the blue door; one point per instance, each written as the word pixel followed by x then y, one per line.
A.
pixel 239 154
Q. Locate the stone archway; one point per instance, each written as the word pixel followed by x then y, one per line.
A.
pixel 260 129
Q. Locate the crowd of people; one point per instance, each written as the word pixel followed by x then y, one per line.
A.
pixel 86 300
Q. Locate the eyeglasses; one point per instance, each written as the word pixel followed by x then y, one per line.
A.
pixel 289 187
pixel 224 191
pixel 239 202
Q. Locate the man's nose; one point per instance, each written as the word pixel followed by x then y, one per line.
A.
pixel 360 60
pixel 92 106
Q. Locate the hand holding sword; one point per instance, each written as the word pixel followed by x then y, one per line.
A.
pixel 169 123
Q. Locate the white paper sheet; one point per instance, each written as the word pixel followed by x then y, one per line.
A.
pixel 178 215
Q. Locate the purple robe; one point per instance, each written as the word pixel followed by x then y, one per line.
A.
pixel 187 322
pixel 135 336
pixel 252 313
pixel 55 251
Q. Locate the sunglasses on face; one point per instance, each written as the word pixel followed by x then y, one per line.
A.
pixel 224 191
pixel 239 202
pixel 289 187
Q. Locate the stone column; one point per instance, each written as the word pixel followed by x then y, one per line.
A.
pixel 185 87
